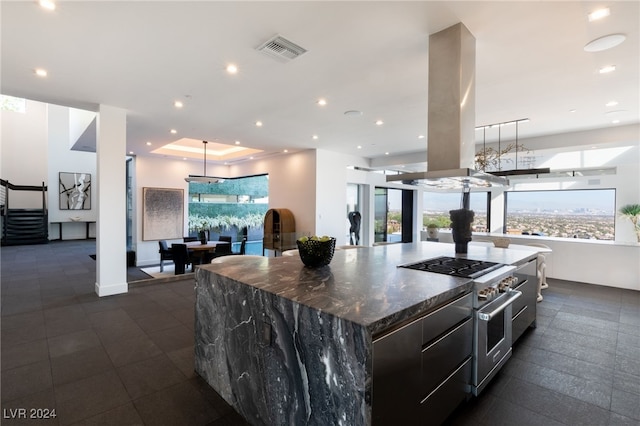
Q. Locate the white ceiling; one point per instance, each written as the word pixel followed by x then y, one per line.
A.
pixel 365 55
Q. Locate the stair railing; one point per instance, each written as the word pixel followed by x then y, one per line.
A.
pixel 4 199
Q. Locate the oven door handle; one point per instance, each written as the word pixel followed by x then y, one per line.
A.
pixel 513 295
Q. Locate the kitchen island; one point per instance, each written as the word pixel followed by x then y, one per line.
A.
pixel 287 344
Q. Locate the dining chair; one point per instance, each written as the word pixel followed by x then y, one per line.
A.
pixel 224 248
pixel 165 253
pixel 181 258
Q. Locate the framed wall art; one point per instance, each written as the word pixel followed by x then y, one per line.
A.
pixel 74 191
pixel 162 213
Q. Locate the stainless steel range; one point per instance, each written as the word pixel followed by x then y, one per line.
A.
pixel 492 299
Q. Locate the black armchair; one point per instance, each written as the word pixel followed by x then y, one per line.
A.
pixel 181 258
pixel 165 253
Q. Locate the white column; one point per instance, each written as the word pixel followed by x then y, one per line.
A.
pixel 111 243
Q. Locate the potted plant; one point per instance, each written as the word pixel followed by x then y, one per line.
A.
pixel 632 212
pixel 432 231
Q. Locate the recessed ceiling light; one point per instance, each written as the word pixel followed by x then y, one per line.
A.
pixel 286 150
pixel 184 158
pixel 40 72
pixel 604 43
pixel 615 121
pixel 232 69
pixel 47 4
pixel 250 158
pixel 314 137
pixel 148 143
pixel 572 110
pixel 322 102
pixel 359 146
pixel 178 104
pixel 608 68
pixel 599 14
pixel 386 153
pixel 379 122
pixel 237 142
pixel 131 152
pixel 173 131
pixel 611 103
pixel 420 136
pixel 353 113
pixel 259 123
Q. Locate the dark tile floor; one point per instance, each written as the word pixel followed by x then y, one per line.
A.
pixel 128 359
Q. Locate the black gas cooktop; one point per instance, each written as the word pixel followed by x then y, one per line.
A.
pixel 457 267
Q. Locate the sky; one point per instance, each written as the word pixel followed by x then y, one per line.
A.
pixel 563 200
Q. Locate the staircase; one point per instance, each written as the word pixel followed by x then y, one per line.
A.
pixel 26 225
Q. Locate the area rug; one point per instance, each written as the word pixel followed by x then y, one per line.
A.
pixel 169 271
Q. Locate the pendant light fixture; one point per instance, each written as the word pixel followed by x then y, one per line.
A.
pixel 204 178
pixel 516 171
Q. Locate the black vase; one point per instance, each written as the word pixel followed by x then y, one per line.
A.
pixel 461 228
pixel 203 237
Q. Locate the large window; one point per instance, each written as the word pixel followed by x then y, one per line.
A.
pixel 436 206
pixel 393 209
pixel 586 214
pixel 9 103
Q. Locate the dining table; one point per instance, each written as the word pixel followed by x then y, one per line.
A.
pixel 200 250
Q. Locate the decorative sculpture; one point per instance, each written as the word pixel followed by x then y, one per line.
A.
pixel 354 230
pixel 461 220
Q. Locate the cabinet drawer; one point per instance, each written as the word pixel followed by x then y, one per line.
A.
pixel 445 317
pixel 443 355
pixel 440 403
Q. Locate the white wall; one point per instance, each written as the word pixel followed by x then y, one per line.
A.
pixel 292 185
pixel 63 159
pixel 24 152
pixel 158 172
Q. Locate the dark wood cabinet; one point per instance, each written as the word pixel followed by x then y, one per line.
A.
pixel 279 231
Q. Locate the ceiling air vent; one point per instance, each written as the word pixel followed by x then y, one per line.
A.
pixel 280 48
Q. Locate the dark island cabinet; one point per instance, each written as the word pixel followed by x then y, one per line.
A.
pixel 524 308
pixel 422 370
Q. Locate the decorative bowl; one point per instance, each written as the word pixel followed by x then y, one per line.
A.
pixel 75 218
pixel 315 253
pixel 501 242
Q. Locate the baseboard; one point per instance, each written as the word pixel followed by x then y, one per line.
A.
pixel 110 290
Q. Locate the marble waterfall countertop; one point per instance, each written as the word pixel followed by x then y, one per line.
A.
pixel 364 285
pixel 287 344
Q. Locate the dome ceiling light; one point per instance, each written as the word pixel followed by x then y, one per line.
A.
pixel 604 42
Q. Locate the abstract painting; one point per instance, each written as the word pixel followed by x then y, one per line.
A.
pixel 162 213
pixel 75 191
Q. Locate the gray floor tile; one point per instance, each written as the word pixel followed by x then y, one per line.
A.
pixel 24 353
pixel 123 352
pixel 181 404
pixel 26 380
pixel 151 375
pixel 125 415
pixel 79 365
pixel 44 400
pixel 72 342
pixel 625 403
pixel 173 338
pixel 89 397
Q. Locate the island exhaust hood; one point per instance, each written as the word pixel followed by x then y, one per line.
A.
pixel 451 119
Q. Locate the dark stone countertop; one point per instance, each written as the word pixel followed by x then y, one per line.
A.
pixel 364 285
